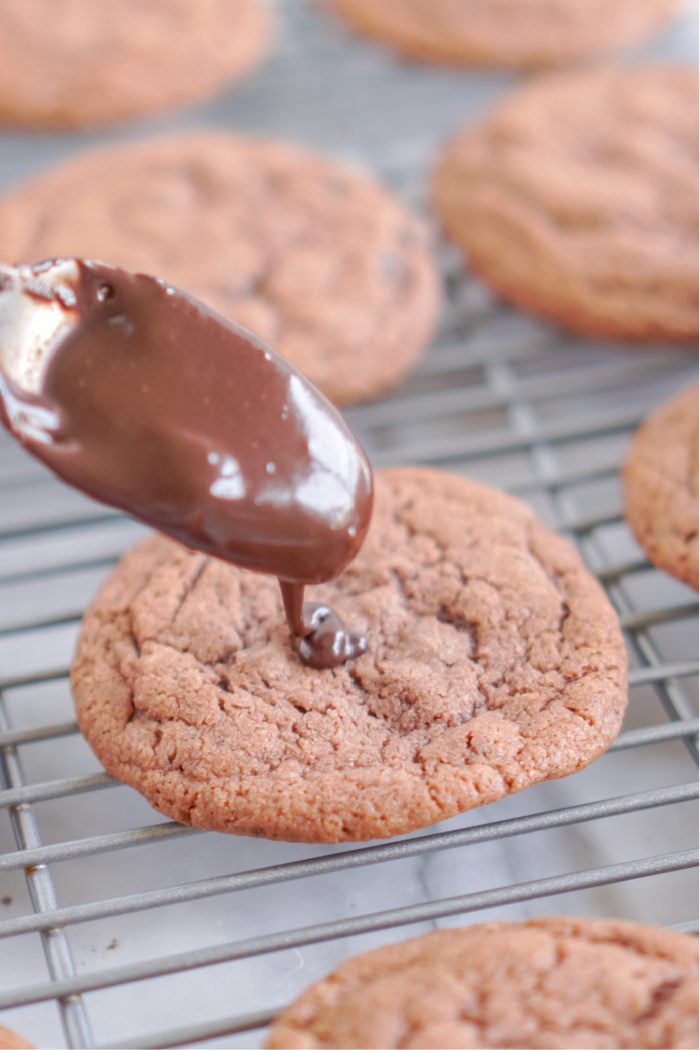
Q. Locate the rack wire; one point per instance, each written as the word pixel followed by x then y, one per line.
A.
pixel 498 396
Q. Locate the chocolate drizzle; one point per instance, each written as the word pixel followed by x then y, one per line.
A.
pixel 321 638
pixel 147 400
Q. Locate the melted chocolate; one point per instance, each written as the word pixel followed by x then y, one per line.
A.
pixel 321 638
pixel 148 401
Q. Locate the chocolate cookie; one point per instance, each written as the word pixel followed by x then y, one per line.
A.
pixel 11 1041
pixel 577 199
pixel 661 486
pixel 311 255
pixel 92 63
pixel 494 661
pixel 513 33
pixel 547 983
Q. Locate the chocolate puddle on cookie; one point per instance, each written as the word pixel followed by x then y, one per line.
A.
pixel 321 638
pixel 143 398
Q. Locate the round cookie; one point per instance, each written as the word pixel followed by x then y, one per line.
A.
pixel 577 199
pixel 313 256
pixel 661 486
pixel 556 982
pixel 11 1041
pixel 510 33
pixel 494 661
pixel 93 63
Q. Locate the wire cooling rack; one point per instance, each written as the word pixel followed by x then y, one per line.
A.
pixel 118 928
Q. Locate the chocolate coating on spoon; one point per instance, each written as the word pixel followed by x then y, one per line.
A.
pixel 145 399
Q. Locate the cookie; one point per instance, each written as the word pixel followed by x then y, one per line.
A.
pixel 95 63
pixel 555 982
pixel 494 661
pixel 510 33
pixel 313 256
pixel 577 199
pixel 11 1041
pixel 661 486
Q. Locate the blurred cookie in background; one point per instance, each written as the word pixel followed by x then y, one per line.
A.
pixel 11 1041
pixel 506 33
pixel 81 62
pixel 577 198
pixel 312 255
pixel 661 486
pixel 554 982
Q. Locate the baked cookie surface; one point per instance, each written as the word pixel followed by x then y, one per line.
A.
pixel 312 255
pixel 494 661
pixel 511 33
pixel 93 63
pixel 556 982
pixel 577 199
pixel 661 486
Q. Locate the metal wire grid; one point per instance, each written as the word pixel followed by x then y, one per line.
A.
pixel 498 396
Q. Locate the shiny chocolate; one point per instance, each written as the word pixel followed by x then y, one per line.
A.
pixel 143 398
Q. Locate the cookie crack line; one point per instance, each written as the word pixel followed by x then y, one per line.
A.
pixel 660 996
pixel 189 588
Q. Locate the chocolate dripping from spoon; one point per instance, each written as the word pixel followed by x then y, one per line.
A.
pixel 142 397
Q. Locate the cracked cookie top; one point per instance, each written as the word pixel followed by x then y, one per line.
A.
pixel 548 983
pixel 494 661
pixel 311 254
pixel 577 198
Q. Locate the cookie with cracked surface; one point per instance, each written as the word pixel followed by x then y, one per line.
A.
pixel 555 982
pixel 97 63
pixel 506 33
pixel 577 199
pixel 11 1041
pixel 312 255
pixel 661 486
pixel 494 661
